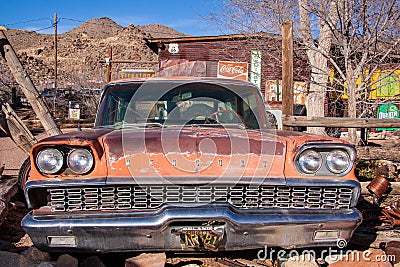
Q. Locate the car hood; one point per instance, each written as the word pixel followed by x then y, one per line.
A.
pixel 187 155
pixel 202 153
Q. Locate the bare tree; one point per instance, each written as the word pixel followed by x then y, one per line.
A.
pixel 354 39
pixel 313 19
pixel 325 15
pixel 365 40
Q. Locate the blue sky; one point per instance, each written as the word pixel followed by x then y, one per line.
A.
pixel 182 15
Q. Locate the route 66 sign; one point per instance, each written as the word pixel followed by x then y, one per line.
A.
pixel 173 48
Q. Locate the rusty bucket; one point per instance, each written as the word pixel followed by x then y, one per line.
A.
pixel 378 186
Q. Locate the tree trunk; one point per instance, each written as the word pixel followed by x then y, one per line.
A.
pixel 352 109
pixel 315 101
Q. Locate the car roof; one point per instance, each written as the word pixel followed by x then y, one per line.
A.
pixel 182 79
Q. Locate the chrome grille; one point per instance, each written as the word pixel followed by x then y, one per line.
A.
pixel 240 196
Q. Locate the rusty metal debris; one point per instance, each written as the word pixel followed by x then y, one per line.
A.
pixel 238 263
pixel 378 186
pixel 230 263
pixel 393 248
pixel 390 217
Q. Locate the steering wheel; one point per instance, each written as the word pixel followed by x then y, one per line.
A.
pixel 214 114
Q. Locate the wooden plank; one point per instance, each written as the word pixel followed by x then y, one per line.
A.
pixel 378 153
pixel 339 122
pixel 19 133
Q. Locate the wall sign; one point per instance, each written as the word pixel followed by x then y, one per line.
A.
pixel 387 111
pixel 255 67
pixel 136 73
pixel 232 70
pixel 173 48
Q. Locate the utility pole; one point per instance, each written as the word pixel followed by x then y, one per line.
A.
pixel 55 64
pixel 287 70
pixel 108 62
pixel 55 51
pixel 27 86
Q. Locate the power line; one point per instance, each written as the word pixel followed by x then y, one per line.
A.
pixel 24 22
pixel 44 28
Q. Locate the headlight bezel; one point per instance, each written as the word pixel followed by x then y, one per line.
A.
pixel 39 165
pixel 65 150
pixel 76 150
pixel 308 152
pixel 324 150
pixel 328 161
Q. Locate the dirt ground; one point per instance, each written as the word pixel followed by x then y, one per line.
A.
pixel 10 155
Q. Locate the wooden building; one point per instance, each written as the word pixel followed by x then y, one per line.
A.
pixel 209 56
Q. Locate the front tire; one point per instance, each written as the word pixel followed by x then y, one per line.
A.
pixel 24 172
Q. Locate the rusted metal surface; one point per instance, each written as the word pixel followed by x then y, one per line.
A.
pixel 230 263
pixel 264 151
pixel 393 248
pixel 378 186
pixel 390 218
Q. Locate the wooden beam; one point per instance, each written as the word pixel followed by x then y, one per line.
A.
pixel 339 122
pixel 27 87
pixel 287 70
pixel 19 133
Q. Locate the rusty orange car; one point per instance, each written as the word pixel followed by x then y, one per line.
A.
pixel 188 164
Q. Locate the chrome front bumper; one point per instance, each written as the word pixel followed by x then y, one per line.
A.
pixel 151 231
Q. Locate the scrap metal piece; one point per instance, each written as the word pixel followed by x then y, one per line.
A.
pixel 230 263
pixel 378 186
pixel 390 218
pixel 393 248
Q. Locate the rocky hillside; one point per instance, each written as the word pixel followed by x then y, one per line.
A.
pixel 79 52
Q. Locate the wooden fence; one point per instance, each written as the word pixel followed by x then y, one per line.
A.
pixel 338 122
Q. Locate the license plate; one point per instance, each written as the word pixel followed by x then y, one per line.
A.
pixel 200 237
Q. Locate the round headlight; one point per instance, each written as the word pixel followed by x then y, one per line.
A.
pixel 337 161
pixel 80 160
pixel 49 160
pixel 310 161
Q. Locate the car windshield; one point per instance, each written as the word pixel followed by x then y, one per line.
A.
pixel 163 104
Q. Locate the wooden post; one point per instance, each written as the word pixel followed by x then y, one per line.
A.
pixel 108 61
pixel 287 70
pixel 27 86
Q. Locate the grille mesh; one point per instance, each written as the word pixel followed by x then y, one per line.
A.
pixel 240 196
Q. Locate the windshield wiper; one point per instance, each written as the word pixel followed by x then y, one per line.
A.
pixel 122 125
pixel 219 125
